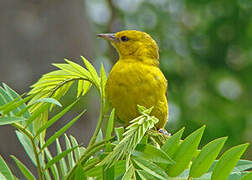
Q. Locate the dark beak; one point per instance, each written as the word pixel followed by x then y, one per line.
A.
pixel 108 36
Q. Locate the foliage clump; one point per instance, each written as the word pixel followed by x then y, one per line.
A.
pixel 135 152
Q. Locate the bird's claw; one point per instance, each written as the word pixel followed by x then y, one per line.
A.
pixel 164 132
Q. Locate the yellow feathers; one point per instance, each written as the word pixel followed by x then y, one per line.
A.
pixel 136 78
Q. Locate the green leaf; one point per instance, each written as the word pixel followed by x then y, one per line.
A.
pixel 70 158
pixel 55 118
pixel 68 68
pixel 185 152
pixel 62 162
pixel 7 98
pixel 93 73
pixel 227 162
pixel 10 120
pixel 151 168
pixel 109 130
pixel 206 157
pixel 103 81
pixel 2 100
pixel 79 68
pixel 86 87
pixel 48 100
pixel 2 177
pixel 26 172
pixel 108 173
pixel 53 168
pixel 80 87
pixel 247 176
pixel 37 113
pixel 119 133
pixel 5 170
pixel 171 145
pixel 145 176
pixel 58 157
pixel 151 153
pixel 77 152
pixel 120 168
pixel 110 124
pixel 96 171
pixel 79 173
pixel 18 105
pixel 129 173
pixel 13 95
pixel 242 165
pixel 26 143
pixel 61 131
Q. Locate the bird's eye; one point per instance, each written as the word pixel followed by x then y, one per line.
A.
pixel 124 38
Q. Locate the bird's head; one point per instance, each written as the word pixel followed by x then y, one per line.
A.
pixel 135 45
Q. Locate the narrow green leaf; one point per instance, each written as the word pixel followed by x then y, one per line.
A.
pixel 80 87
pixel 79 173
pixel 247 176
pixel 145 176
pixel 171 145
pixel 61 131
pixel 5 95
pixel 26 172
pixel 55 118
pixel 2 177
pixel 129 173
pixel 119 133
pixel 62 162
pixel 5 170
pixel 110 128
pixel 26 145
pixel 206 157
pixel 70 158
pixel 77 153
pixel 120 168
pixel 18 105
pixel 11 93
pixel 49 100
pixel 153 154
pixel 96 171
pixel 103 80
pixel 110 124
pixel 68 68
pixel 37 113
pixel 242 165
pixel 79 68
pixel 108 173
pixel 10 120
pixel 151 168
pixel 185 152
pixel 92 71
pixel 15 97
pixel 2 100
pixel 53 168
pixel 227 162
pixel 59 156
pixel 86 87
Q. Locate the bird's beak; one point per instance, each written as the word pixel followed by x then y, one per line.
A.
pixel 108 36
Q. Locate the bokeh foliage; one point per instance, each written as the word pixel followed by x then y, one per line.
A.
pixel 205 53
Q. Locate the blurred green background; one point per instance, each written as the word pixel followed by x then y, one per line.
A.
pixel 205 53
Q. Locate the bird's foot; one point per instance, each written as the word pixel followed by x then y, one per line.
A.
pixel 164 132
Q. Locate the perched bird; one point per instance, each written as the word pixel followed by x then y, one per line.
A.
pixel 136 79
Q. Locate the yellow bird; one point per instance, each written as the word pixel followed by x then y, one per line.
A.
pixel 136 78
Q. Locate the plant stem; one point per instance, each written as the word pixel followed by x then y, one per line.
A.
pixel 30 136
pixel 99 123
pixel 89 152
